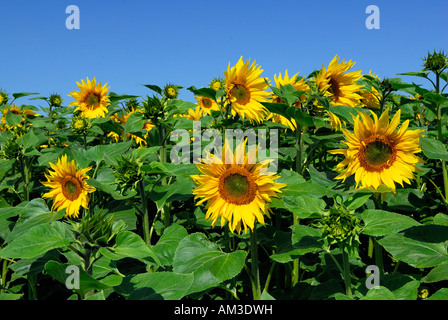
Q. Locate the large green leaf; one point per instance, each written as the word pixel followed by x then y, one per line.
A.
pixel 130 245
pixel 421 246
pixel 87 283
pixel 168 243
pixel 209 265
pixel 433 149
pixel 438 273
pixel 156 286
pixel 382 223
pixel 290 245
pixel 37 241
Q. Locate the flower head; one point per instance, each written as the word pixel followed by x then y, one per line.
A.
pixel 235 189
pixel 246 90
pixel 69 188
pixel 92 99
pixel 377 153
pixel 338 84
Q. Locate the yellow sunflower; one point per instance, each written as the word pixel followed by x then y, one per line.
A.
pixel 207 105
pixel 235 189
pixel 370 99
pixel 92 99
pixel 122 120
pixel 245 90
pixel 69 188
pixel 336 123
pixel 298 84
pixel 378 153
pixel 338 84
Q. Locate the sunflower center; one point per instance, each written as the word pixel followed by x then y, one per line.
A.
pixel 241 93
pixel 206 103
pixel 71 188
pixel 377 153
pixel 334 88
pixel 93 100
pixel 237 186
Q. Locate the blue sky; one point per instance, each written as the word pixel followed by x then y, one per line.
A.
pixel 128 43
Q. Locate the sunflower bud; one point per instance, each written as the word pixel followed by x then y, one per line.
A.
pixel 132 104
pixel 3 97
pixel 55 100
pixel 171 91
pixel 127 172
pixel 11 149
pixel 436 62
pixel 340 226
pixel 217 84
pixel 80 125
pixel 97 228
pixel 153 107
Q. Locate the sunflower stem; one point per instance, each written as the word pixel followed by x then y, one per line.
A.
pixel 254 264
pixel 347 276
pixel 146 234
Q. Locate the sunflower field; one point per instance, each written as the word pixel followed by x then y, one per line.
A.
pixel 331 186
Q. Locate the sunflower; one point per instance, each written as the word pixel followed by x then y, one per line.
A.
pixel 339 85
pixel 235 189
pixel 207 105
pixel 298 84
pixel 370 98
pixel 122 120
pixel 92 100
pixel 378 153
pixel 336 123
pixel 245 90
pixel 69 188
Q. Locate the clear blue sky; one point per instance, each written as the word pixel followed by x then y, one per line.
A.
pixel 188 42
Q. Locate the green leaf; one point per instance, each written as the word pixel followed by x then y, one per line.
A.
pixel 113 97
pixel 156 286
pixel 168 243
pixel 154 88
pixel 438 273
pixel 130 245
pixel 38 240
pixel 22 94
pixel 379 293
pixel 441 219
pixel 12 119
pixel 421 246
pixel 181 190
pixel 206 92
pixel 86 282
pixel 422 74
pixel 209 265
pixel 303 206
pixel 433 149
pixel 134 123
pixel 441 294
pixel 382 223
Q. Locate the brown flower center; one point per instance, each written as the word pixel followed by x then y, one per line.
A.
pixel 71 188
pixel 93 100
pixel 377 154
pixel 241 93
pixel 237 186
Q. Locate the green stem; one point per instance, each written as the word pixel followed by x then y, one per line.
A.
pixel 145 222
pixel 347 276
pixel 268 279
pixel 254 264
pixel 299 149
pixel 295 268
pixel 3 279
pixel 379 257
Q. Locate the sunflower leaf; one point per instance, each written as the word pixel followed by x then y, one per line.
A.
pixel 433 149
